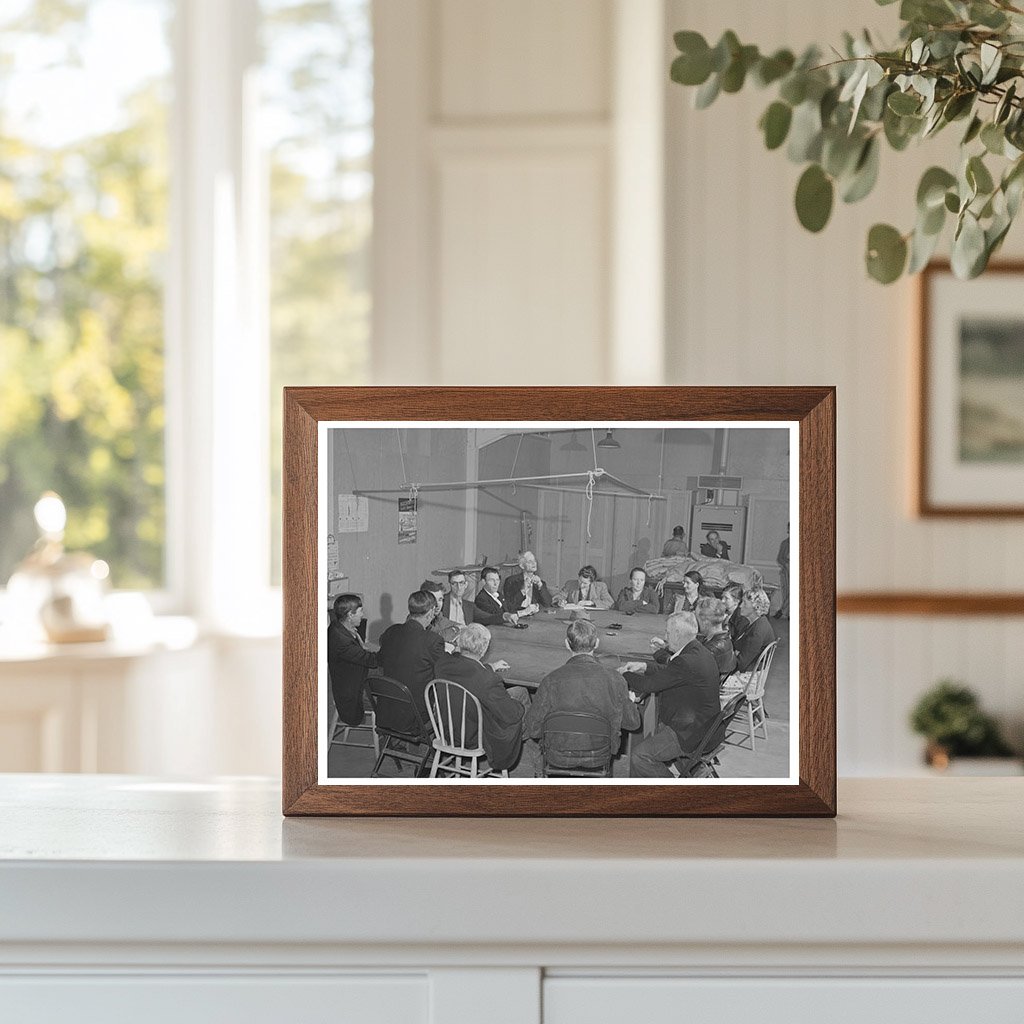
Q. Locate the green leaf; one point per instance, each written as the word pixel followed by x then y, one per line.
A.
pixel 903 103
pixel 805 133
pixel 952 202
pixel 993 138
pixel 839 151
pixel 693 65
pixel 775 124
pixel 794 89
pixel 978 176
pixel 725 49
pixel 991 60
pixel 931 191
pixel 735 74
pixel 922 247
pixel 972 131
pixel 900 130
pixel 865 173
pixel 771 69
pixel 968 256
pixel 814 195
pixel 1004 106
pixel 958 105
pixel 987 15
pixel 707 93
pixel 886 254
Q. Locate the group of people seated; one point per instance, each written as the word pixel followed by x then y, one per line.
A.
pixel 710 646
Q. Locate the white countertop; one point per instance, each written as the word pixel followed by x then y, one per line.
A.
pixel 123 859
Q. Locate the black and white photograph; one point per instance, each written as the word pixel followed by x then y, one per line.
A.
pixel 519 602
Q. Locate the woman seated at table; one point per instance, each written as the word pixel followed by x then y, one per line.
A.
pixel 586 591
pixel 714 634
pixel 693 589
pixel 753 640
pixel 637 595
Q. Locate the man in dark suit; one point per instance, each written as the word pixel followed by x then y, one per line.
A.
pixel 685 676
pixel 503 716
pixel 525 592
pixel 454 606
pixel 581 684
pixel 409 650
pixel 491 609
pixel 348 660
pixel 440 624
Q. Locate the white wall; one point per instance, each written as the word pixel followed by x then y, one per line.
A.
pixel 754 299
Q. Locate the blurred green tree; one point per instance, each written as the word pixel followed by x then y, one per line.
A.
pixel 82 233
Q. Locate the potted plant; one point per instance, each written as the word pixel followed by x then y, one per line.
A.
pixel 950 717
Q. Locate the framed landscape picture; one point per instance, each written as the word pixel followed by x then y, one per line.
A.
pixel 970 452
pixel 559 601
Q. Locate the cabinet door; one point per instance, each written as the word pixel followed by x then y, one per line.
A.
pixel 205 999
pixel 784 1000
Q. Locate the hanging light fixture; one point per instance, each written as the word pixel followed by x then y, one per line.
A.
pixel 572 445
pixel 608 441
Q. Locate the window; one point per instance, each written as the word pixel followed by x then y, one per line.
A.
pixel 317 117
pixel 83 236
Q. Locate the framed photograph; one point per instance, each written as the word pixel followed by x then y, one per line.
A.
pixel 559 601
pixel 970 451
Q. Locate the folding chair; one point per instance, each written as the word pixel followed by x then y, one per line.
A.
pixel 576 744
pixel 702 762
pixel 398 720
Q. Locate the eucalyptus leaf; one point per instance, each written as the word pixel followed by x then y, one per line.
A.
pixel 805 133
pixel 771 69
pixel 991 60
pixel 922 248
pixel 708 92
pixel 987 15
pixel 724 51
pixel 886 253
pixel 993 138
pixel 968 247
pixel 931 190
pixel 814 195
pixel 1004 106
pixel 952 202
pixel 865 173
pixel 978 176
pixel 775 124
pixel 904 103
pixel 972 132
pixel 794 88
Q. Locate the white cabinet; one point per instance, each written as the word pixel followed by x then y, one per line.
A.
pixel 125 897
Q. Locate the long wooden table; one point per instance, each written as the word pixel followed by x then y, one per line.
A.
pixel 533 653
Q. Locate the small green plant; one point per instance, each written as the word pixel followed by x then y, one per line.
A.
pixel 950 717
pixel 956 61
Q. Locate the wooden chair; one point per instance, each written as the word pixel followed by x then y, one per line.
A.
pixel 398 721
pixel 756 716
pixel 703 762
pixel 455 714
pixel 368 725
pixel 589 752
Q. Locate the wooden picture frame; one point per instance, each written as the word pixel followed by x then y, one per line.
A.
pixel 809 413
pixel 956 476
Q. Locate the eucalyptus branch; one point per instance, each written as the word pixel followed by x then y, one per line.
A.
pixel 833 117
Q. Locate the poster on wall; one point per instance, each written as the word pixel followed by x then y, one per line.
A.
pixel 353 514
pixel 407 516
